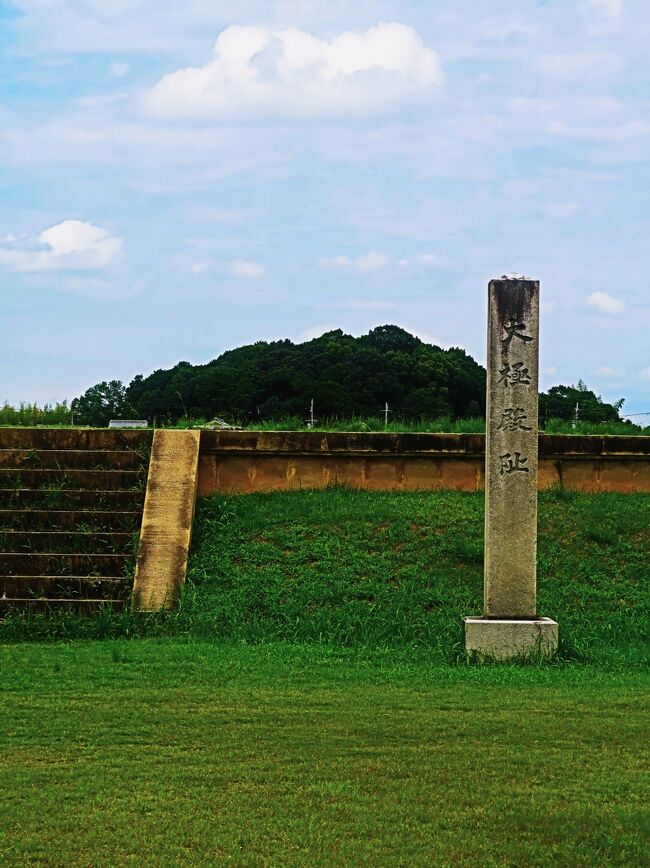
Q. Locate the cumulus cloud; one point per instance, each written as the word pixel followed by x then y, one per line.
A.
pixel 606 371
pixel 373 261
pixel 72 244
pixel 245 268
pixel 257 72
pixel 605 303
pixel 645 375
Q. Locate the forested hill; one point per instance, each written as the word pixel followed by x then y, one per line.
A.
pixel 346 376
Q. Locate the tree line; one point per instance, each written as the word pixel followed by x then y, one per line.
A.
pixel 346 377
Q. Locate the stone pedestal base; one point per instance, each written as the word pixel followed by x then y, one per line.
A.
pixel 509 638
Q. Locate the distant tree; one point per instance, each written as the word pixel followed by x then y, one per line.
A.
pixel 33 414
pixel 560 403
pixel 101 403
pixel 391 337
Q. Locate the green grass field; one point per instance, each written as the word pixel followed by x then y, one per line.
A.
pixel 310 702
pixel 168 753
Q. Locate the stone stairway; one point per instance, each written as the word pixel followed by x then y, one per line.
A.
pixel 71 505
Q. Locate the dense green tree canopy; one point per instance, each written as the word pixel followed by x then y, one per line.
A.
pixel 345 376
pixel 569 402
pixel 101 403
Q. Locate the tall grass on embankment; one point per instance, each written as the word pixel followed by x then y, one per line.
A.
pixel 442 425
pixel 391 570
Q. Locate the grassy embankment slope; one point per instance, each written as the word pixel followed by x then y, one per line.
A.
pixel 329 718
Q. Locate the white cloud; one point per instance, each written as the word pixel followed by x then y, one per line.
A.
pixel 605 303
pixel 118 70
pixel 245 268
pixel 608 14
pixel 519 187
pixel 606 371
pixel 373 261
pixel 579 64
pixel 257 72
pixel 227 216
pixel 550 371
pixel 562 210
pixel 645 375
pixel 72 244
pixel 622 132
pixel 609 8
pixel 189 265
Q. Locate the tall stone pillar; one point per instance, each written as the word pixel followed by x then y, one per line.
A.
pixel 510 563
pixel 510 626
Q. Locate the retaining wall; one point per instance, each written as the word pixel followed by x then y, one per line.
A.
pixel 249 461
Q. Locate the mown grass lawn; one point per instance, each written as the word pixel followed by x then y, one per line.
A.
pixel 310 703
pixel 161 752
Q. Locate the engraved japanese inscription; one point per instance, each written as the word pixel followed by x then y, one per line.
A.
pixel 511 448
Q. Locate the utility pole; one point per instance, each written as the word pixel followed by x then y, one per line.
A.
pixel 183 405
pixel 311 420
pixel 386 412
pixel 575 421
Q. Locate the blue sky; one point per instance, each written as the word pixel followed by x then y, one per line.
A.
pixel 177 179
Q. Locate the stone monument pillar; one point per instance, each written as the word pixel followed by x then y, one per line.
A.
pixel 510 626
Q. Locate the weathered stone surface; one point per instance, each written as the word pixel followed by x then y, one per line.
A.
pixel 507 639
pixel 167 520
pixel 511 448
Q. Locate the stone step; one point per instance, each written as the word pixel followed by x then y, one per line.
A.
pixel 68 587
pixel 47 605
pixel 67 541
pixel 74 438
pixel 104 480
pixel 62 563
pixel 75 459
pixel 75 520
pixel 70 498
